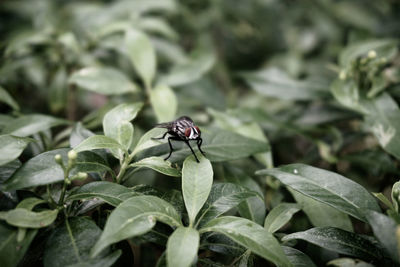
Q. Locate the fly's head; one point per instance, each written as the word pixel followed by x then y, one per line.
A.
pixel 192 133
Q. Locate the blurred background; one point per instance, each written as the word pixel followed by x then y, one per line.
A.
pixel 313 77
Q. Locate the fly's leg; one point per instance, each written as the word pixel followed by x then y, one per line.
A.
pixel 171 149
pixel 187 142
pixel 158 138
pixel 199 142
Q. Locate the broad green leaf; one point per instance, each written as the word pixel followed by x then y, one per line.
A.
pixel 118 116
pixel 197 179
pixel 58 90
pixel 321 214
pixel 103 80
pixel 146 140
pixel 164 102
pixel 340 241
pixel 384 200
pixel 250 235
pixel 112 193
pixel 11 147
pixel 98 142
pixel 28 219
pixel 273 82
pixel 220 145
pixel 298 258
pixel 346 92
pixel 69 245
pixel 327 187
pixel 135 216
pixel 141 54
pixel 5 97
pixel 279 216
pixel 158 164
pixel 30 124
pixel 6 171
pixel 39 170
pixel 78 134
pixel 383 47
pixel 191 70
pixel 12 251
pixel 43 169
pixel 252 208
pixel 29 203
pixel 182 247
pixel 384 229
pixel 222 198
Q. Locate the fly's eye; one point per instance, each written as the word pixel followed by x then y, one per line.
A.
pixel 187 132
pixel 197 129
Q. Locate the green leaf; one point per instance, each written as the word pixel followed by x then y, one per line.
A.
pixel 197 179
pixel 384 229
pixel 298 258
pixel 146 140
pixel 30 203
pixel 200 62
pixel 182 247
pixel 327 187
pixel 43 169
pixel 135 216
pixel 30 124
pixel 222 198
pixel 158 164
pixel 102 80
pixel 384 200
pixel 164 102
pixel 28 219
pixel 349 262
pixel 39 170
pixel 157 25
pixel 321 214
pixel 252 208
pixel 141 54
pixel 117 117
pixel 273 82
pixel 12 251
pixel 112 193
pixel 5 97
pixel 69 245
pixel 250 235
pixel 279 216
pixel 383 47
pixel 11 147
pixel 340 241
pixel 220 145
pixel 58 90
pixel 98 142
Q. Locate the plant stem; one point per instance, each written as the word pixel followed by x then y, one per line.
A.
pixel 124 166
pixel 64 188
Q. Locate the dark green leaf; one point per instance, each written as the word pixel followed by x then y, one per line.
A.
pixel 102 80
pixel 98 142
pixel 112 193
pixel 135 216
pixel 12 251
pixel 182 247
pixel 222 198
pixel 158 164
pixel 279 216
pixel 5 97
pixel 197 179
pixel 250 235
pixel 70 244
pixel 385 231
pixel 298 258
pixel 11 147
pixel 340 241
pixel 78 134
pixel 327 187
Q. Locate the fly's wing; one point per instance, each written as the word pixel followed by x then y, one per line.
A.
pixel 167 125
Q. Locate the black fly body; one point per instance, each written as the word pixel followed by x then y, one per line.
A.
pixel 181 129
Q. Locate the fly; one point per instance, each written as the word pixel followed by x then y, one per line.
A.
pixel 181 129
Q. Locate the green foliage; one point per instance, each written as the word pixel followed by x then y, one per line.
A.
pixel 298 107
